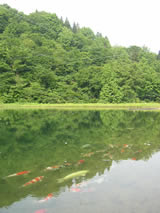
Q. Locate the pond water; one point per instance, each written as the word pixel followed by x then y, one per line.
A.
pixel 79 161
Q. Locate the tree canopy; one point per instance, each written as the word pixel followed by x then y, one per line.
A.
pixel 44 59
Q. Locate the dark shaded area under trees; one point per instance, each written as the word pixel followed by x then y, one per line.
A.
pixel 44 59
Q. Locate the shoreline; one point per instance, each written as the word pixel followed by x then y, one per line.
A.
pixel 127 106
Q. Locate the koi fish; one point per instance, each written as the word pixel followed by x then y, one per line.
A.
pixel 80 162
pixel 125 145
pixel 53 167
pixel 49 196
pixel 75 190
pixel 41 211
pixel 88 154
pixel 34 180
pixel 19 173
pixel 86 146
pixel 134 159
pixel 67 164
pixel 99 151
pixel 111 145
pixel 122 150
pixel 75 174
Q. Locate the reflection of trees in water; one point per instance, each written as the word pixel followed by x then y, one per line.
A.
pixel 34 140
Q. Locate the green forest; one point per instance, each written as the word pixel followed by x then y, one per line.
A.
pixel 45 59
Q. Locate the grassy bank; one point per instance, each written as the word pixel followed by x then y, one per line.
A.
pixel 125 106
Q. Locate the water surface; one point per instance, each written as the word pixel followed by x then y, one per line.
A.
pixel 119 149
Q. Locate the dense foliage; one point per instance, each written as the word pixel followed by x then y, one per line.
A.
pixel 44 59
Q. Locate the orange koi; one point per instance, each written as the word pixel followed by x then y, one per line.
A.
pixel 35 180
pixel 19 173
pixel 125 145
pixel 49 196
pixel 80 162
pixel 122 150
pixel 134 159
pixel 67 164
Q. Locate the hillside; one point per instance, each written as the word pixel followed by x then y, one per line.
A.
pixel 43 59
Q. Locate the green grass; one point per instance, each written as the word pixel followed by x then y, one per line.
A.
pixel 95 106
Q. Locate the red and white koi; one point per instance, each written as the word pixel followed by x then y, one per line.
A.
pixel 35 180
pixel 80 162
pixel 49 196
pixel 19 173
